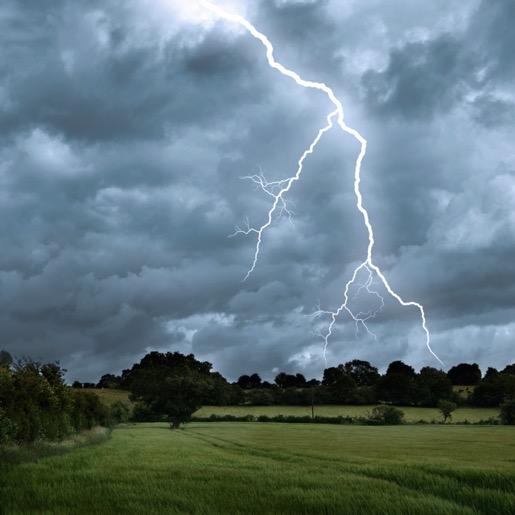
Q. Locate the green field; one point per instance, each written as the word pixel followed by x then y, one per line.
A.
pixel 411 414
pixel 232 468
pixel 110 396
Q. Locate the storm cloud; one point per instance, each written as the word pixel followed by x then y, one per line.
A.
pixel 127 127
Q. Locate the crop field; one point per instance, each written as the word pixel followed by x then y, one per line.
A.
pixel 274 468
pixel 411 414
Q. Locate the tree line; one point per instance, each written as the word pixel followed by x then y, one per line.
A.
pixel 36 403
pixel 353 382
pixel 173 386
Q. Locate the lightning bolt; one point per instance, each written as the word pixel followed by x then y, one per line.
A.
pixel 278 189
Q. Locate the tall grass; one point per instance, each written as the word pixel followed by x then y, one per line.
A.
pixel 275 468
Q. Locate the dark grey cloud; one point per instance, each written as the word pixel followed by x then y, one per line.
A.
pixel 425 78
pixel 128 125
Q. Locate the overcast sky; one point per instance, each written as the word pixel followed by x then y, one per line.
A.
pixel 127 125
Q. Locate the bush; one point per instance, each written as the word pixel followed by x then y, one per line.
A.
pixel 385 416
pixel 143 413
pixel 446 408
pixel 7 428
pixel 119 413
pixel 508 412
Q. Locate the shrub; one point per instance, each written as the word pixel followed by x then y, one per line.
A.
pixel 119 413
pixel 385 415
pixel 508 412
pixel 143 413
pixel 446 408
pixel 7 428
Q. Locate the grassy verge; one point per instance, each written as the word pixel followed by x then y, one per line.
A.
pixel 15 454
pixel 275 468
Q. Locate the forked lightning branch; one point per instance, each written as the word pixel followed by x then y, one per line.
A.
pixel 277 190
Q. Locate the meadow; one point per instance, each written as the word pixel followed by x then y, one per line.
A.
pixel 412 414
pixel 274 468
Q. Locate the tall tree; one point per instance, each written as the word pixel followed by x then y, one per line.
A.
pixel 174 386
pixel 284 380
pixel 432 385
pixel 5 359
pixel 465 374
pixel 399 367
pixel 363 373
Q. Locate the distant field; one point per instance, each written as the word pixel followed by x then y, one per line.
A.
pixel 109 396
pixel 239 468
pixel 411 414
pixel 463 391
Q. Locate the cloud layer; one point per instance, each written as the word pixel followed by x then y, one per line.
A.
pixel 127 127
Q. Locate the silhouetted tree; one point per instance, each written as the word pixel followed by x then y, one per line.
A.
pixel 398 384
pixel 175 386
pixel 332 374
pixel 284 380
pixel 465 374
pixel 363 373
pixel 432 386
pixel 509 369
pixel 109 381
pixel 398 367
pixel 5 359
pixel 493 391
pixel 249 382
pixel 490 373
pixel 508 411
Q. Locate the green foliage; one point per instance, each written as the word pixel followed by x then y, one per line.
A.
pixel 109 381
pixel 385 415
pixel 446 408
pixel 432 386
pixel 38 404
pixel 119 413
pixel 508 411
pixel 7 428
pixel 283 419
pixel 493 390
pixel 141 412
pixel 175 386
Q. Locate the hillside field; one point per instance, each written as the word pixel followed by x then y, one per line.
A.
pixel 274 468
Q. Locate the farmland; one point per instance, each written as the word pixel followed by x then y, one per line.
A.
pixel 412 414
pixel 270 468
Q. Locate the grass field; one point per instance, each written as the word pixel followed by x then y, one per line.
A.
pixel 411 414
pixel 110 396
pixel 274 468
